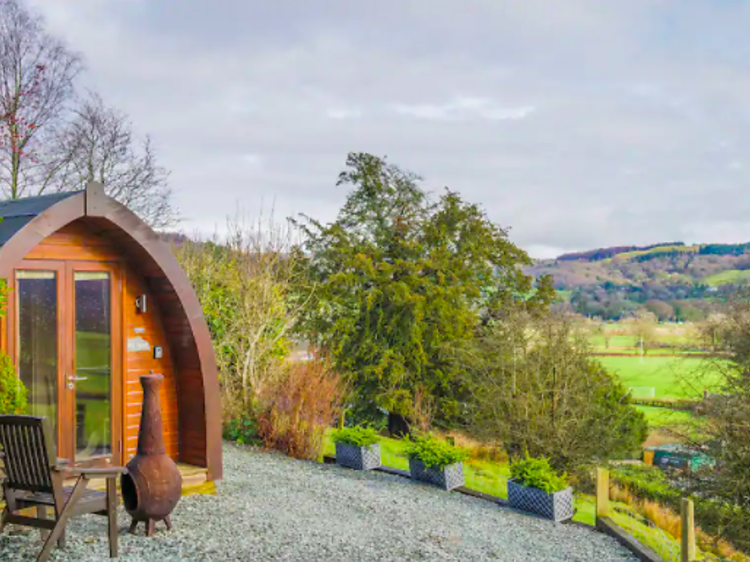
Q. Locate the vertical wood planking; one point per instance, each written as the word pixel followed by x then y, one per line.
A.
pixel 147 326
pixel 79 242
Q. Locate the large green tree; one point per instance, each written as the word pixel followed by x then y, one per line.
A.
pixel 401 280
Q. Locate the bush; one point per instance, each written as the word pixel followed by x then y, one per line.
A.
pixel 434 452
pixel 537 473
pixel 294 413
pixel 243 283
pixel 357 436
pixel 243 430
pixel 12 390
pixel 648 483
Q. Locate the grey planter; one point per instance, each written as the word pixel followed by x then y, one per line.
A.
pixel 359 458
pixel 557 506
pixel 447 478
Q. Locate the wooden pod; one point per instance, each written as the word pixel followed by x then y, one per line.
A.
pixel 98 300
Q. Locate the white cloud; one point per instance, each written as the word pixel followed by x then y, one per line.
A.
pixel 462 108
pixel 343 113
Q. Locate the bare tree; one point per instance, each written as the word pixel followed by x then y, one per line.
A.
pixel 36 80
pixel 98 145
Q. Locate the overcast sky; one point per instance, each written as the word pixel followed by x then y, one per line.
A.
pixel 578 124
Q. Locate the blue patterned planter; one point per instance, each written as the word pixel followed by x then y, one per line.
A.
pixel 447 478
pixel 557 506
pixel 359 458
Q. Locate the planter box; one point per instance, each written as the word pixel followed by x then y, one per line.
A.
pixel 557 506
pixel 359 458
pixel 447 478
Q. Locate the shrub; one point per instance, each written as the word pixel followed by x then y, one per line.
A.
pixel 243 283
pixel 647 482
pixel 294 413
pixel 12 390
pixel 537 473
pixel 434 452
pixel 243 430
pixel 359 436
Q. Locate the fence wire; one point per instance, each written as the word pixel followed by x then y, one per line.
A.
pixel 647 533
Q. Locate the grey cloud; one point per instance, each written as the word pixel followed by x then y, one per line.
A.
pixel 578 124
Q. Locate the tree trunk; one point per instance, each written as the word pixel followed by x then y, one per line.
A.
pixel 398 426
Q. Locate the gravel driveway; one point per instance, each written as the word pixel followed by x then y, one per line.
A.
pixel 270 507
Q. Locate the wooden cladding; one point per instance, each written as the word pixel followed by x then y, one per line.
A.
pixel 147 327
pixel 79 242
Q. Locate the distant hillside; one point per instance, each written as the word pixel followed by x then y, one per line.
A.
pixel 672 279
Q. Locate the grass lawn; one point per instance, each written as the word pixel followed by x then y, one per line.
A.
pixel 484 476
pixel 670 377
pixel 663 417
pixel 616 343
pixel 677 337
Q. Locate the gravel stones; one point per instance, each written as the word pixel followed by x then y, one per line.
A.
pixel 270 507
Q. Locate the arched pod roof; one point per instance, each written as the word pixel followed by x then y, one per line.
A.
pixel 26 222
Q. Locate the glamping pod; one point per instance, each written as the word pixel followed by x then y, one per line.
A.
pixel 97 300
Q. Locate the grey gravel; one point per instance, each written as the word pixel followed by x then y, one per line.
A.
pixel 270 507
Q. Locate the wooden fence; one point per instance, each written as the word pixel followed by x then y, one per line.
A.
pixel 656 546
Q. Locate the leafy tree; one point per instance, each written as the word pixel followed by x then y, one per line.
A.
pixel 401 279
pixel 728 426
pixel 662 310
pixel 538 391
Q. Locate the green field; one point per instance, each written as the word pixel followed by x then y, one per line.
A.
pixel 669 337
pixel 728 277
pixel 669 377
pixel 663 417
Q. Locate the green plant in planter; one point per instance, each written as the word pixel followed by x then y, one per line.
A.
pixel 358 436
pixel 12 390
pixel 537 473
pixel 434 452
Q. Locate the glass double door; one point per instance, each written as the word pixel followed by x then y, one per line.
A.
pixel 66 348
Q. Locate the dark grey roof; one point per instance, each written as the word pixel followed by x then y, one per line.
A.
pixel 17 213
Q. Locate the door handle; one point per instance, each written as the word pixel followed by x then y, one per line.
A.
pixel 72 379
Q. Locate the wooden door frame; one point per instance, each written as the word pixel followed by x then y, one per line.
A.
pixel 64 270
pixel 116 357
pixel 12 331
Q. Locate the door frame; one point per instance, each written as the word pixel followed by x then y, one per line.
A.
pixel 116 358
pixel 66 416
pixel 13 341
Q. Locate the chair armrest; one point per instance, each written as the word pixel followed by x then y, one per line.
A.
pixel 111 472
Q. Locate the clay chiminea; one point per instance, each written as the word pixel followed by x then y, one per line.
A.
pixel 153 485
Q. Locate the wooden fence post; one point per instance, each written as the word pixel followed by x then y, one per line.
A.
pixel 602 492
pixel 687 547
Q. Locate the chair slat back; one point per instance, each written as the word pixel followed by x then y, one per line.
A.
pixel 25 443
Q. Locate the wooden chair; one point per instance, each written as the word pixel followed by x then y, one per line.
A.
pixel 34 479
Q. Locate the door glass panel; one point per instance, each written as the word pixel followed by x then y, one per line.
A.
pixel 93 342
pixel 37 341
